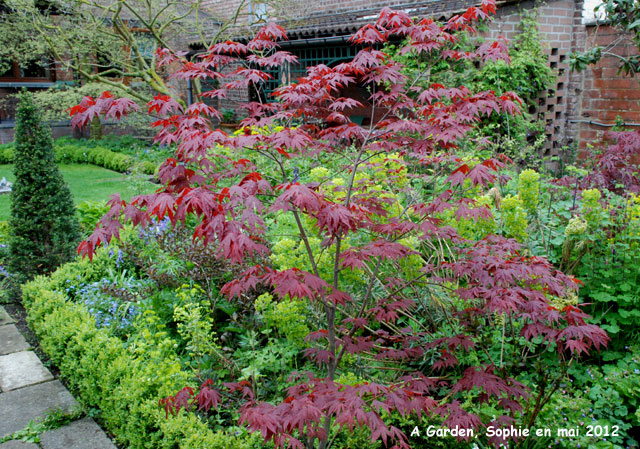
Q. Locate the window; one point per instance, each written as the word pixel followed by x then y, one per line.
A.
pixel 28 71
pixel 34 69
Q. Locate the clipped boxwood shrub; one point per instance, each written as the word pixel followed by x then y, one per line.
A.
pixel 124 381
pixel 6 154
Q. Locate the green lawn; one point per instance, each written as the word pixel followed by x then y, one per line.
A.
pixel 87 182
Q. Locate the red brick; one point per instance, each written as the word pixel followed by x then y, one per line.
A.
pixel 610 116
pixel 620 94
pixel 620 83
pixel 588 134
pixel 546 28
pixel 614 104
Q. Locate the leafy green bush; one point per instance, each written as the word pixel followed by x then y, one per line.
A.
pixel 89 213
pixel 44 231
pixel 56 101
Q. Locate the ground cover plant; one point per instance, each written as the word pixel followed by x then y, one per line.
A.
pixel 371 249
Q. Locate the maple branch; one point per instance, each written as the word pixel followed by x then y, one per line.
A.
pixel 303 234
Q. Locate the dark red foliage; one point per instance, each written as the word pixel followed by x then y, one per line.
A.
pixel 105 104
pixel 230 197
pixel 618 166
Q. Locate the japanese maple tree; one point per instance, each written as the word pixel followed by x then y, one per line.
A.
pixel 371 225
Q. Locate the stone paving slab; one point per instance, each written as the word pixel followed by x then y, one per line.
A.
pixel 16 444
pixel 83 434
pixel 11 340
pixel 18 407
pixel 21 369
pixel 4 317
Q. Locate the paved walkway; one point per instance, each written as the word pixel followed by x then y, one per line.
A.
pixel 28 392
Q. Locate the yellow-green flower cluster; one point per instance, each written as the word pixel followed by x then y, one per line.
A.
pixel 634 218
pixel 514 217
pixel 286 316
pixel 389 169
pixel 319 174
pixel 264 130
pixel 570 299
pixel 529 190
pixel 576 228
pixel 412 264
pixel 470 228
pixel 349 378
pixel 591 208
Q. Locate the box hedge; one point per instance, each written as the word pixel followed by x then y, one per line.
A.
pixel 124 380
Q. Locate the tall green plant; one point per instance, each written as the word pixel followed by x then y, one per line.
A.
pixel 44 231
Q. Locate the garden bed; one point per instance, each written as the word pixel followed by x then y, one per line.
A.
pixel 125 381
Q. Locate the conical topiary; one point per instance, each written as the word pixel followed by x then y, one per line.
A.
pixel 43 227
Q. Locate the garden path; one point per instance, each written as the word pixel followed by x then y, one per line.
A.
pixel 28 392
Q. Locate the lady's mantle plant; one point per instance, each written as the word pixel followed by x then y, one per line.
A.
pixel 429 330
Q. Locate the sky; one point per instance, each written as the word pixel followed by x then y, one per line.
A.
pixel 588 14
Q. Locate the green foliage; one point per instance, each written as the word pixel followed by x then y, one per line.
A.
pixel 56 101
pixel 228 115
pixel 6 153
pixel 54 419
pixel 44 231
pixel 194 325
pixel 593 234
pixel 89 213
pixel 528 74
pixel 591 209
pixel 266 362
pixel 4 233
pixel 287 317
pixel 470 228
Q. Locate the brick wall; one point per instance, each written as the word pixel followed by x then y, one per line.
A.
pixel 575 82
pixel 606 94
pixel 598 94
pixel 62 73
